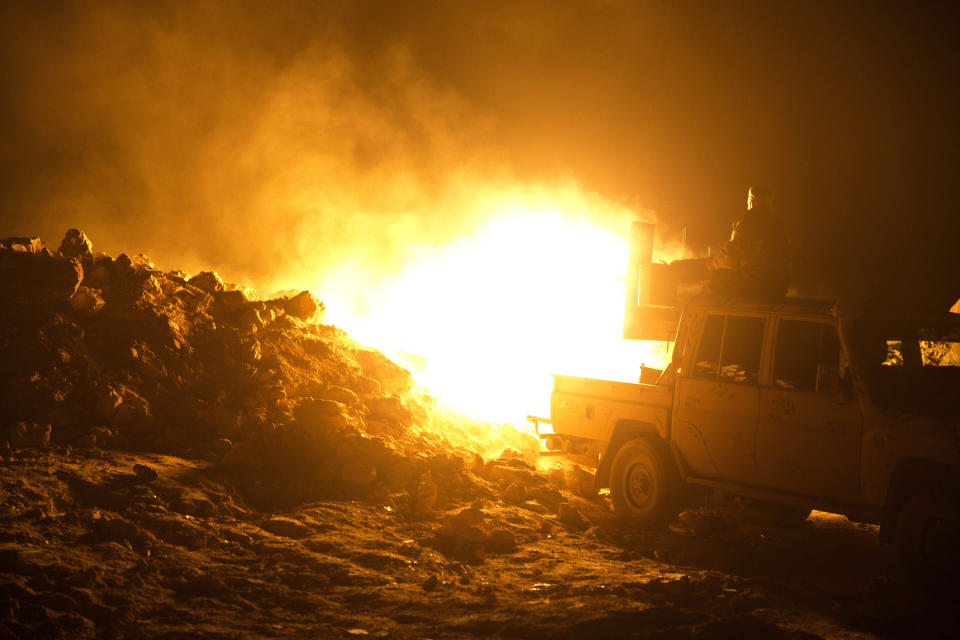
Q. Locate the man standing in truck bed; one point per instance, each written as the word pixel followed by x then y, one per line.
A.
pixel 755 261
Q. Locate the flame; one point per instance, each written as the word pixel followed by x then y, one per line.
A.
pixel 483 320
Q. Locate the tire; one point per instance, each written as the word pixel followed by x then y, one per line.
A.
pixel 928 537
pixel 644 484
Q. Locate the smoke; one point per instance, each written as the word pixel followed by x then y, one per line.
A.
pixel 219 136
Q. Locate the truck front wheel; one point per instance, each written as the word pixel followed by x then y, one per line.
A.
pixel 644 484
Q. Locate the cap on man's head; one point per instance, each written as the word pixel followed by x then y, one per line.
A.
pixel 757 195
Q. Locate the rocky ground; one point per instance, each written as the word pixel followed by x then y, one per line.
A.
pixel 180 458
pixel 100 543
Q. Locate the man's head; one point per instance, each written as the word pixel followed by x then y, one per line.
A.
pixel 759 198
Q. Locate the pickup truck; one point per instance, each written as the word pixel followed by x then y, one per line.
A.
pixel 805 404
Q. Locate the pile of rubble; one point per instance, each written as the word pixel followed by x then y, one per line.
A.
pixel 116 353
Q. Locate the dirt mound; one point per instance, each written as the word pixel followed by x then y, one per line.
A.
pixel 114 352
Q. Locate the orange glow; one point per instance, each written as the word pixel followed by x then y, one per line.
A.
pixel 483 320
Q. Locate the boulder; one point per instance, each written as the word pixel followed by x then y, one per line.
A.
pixel 208 281
pixel 86 301
pixel 464 535
pixel 76 244
pixel 38 277
pixel 145 473
pixel 119 405
pixel 304 306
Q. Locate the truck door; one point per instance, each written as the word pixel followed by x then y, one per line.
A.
pixel 808 441
pixel 715 413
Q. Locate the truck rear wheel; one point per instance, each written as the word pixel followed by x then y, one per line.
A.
pixel 928 537
pixel 644 484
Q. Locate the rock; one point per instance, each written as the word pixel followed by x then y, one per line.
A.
pixel 178 531
pixel 145 473
pixel 304 306
pixel 431 583
pixel 392 377
pixel 570 517
pixel 464 536
pixel 220 421
pixel 95 437
pixel 208 281
pixel 221 447
pixel 466 524
pixel 321 415
pixel 22 245
pixel 230 301
pixel 342 395
pixel 477 464
pixel 76 244
pixel 97 277
pixel 286 527
pixel 390 409
pixel 358 457
pixel 547 496
pixel 86 301
pixel 501 470
pixel 30 435
pixel 150 285
pixel 109 527
pixel 514 492
pixel 27 277
pixel 120 405
pixel 424 498
pixel 501 541
pixel 580 482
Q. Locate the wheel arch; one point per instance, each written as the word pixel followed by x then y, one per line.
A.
pixel 623 431
pixel 909 477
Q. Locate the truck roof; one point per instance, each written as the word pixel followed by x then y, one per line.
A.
pixel 810 306
pixel 833 308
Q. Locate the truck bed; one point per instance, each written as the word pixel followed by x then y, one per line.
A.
pixel 590 408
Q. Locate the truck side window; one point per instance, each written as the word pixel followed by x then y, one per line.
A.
pixel 707 362
pixel 802 349
pixel 742 344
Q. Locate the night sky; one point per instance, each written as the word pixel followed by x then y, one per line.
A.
pixel 145 124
